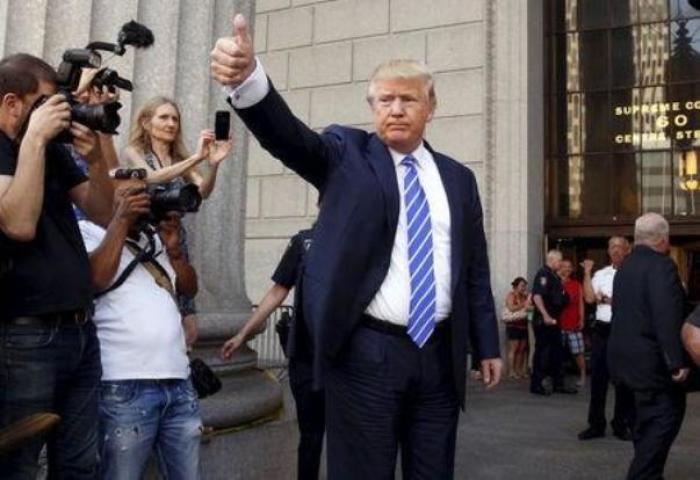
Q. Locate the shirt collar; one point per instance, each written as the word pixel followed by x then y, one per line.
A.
pixel 421 155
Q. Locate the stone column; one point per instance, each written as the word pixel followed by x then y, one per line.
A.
pixel 515 139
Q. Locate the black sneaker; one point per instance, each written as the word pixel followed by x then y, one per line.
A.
pixel 590 433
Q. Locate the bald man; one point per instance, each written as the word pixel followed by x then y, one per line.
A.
pixel 550 298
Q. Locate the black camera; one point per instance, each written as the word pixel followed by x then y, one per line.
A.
pixel 172 197
pixel 103 118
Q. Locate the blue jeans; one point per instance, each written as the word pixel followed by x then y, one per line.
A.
pixel 138 416
pixel 55 368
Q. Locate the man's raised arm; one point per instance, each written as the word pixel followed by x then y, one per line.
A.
pixel 265 112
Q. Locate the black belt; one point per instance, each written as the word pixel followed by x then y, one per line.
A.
pixel 73 317
pixel 392 328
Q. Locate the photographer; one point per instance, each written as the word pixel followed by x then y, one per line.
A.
pixel 147 399
pixel 48 346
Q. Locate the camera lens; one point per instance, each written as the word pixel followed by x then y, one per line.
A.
pixel 103 118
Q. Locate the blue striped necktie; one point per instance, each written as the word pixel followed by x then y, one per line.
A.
pixel 421 316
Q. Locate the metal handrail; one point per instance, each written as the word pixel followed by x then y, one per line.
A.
pixel 267 343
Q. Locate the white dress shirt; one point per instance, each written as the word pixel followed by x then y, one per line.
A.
pixel 602 284
pixel 392 302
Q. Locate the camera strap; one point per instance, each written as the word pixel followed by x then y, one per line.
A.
pixel 147 259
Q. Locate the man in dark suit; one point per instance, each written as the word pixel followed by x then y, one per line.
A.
pixel 398 280
pixel 645 352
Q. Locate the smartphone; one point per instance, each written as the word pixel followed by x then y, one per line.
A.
pixel 222 124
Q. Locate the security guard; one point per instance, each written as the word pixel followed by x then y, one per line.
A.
pixel 310 403
pixel 549 298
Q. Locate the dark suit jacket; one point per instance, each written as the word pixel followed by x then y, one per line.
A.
pixel 645 340
pixel 354 234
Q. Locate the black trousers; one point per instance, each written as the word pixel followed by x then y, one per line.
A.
pixel 659 418
pixel 385 393
pixel 623 416
pixel 548 356
pixel 311 416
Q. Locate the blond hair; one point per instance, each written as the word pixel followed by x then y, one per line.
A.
pixel 140 139
pixel 404 69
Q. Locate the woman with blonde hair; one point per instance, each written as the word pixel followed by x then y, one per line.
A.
pixel 155 143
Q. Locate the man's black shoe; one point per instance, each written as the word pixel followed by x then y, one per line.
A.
pixel 590 433
pixel 567 390
pixel 540 391
pixel 624 434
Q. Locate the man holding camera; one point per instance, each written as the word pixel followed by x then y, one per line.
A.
pixel 48 345
pixel 147 400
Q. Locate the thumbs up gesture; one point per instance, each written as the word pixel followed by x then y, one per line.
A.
pixel 233 58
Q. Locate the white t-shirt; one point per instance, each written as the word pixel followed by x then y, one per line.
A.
pixel 602 283
pixel 139 323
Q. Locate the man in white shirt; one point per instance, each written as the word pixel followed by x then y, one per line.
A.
pixel 147 400
pixel 599 290
pixel 397 282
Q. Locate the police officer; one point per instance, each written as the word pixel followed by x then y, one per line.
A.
pixel 549 298
pixel 310 403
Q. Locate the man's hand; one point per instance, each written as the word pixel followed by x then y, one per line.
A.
pixel 680 375
pixel 85 142
pixel 233 58
pixel 49 119
pixel 491 369
pixel 131 202
pixel 587 266
pixel 231 345
pixel 549 320
pixel 169 232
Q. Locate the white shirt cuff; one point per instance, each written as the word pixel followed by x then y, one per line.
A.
pixel 252 90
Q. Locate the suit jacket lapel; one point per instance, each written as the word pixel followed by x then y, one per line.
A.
pixel 383 166
pixel 455 198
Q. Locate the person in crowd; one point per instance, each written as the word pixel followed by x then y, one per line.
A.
pixel 156 144
pixel 147 401
pixel 48 347
pixel 310 403
pixel 517 305
pixel 397 281
pixel 598 289
pixel 571 321
pixel 645 351
pixel 550 299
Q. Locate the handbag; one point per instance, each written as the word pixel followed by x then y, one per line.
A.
pixel 509 316
pixel 204 379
